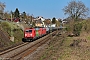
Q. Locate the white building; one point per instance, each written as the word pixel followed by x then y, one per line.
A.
pixel 41 19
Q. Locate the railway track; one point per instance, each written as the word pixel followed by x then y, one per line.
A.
pixel 38 43
pixel 20 51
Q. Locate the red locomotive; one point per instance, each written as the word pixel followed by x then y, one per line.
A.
pixel 31 34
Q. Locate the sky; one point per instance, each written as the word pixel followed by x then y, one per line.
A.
pixel 44 8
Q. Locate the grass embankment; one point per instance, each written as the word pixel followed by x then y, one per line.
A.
pixel 68 48
pixel 8 29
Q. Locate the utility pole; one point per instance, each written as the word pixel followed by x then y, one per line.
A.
pixel 12 37
pixel 32 20
pixel 51 28
pixel 11 26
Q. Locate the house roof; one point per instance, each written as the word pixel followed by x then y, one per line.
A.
pixel 39 21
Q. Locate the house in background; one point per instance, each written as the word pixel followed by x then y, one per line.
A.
pixel 39 21
pixel 42 22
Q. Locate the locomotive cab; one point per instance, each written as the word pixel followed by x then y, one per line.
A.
pixel 29 34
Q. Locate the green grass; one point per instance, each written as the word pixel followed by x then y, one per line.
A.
pixel 88 37
pixel 68 40
pixel 43 57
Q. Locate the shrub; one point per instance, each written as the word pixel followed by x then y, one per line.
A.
pixel 77 29
pixel 6 26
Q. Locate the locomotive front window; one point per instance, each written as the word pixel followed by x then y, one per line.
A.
pixel 28 30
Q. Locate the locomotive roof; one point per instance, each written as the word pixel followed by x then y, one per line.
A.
pixel 28 28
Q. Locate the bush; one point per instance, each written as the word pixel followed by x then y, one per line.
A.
pixel 6 27
pixel 18 34
pixel 16 31
pixel 77 29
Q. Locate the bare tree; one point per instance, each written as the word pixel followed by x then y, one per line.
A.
pixel 2 6
pixel 6 15
pixel 76 9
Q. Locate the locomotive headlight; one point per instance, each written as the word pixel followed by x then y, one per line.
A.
pixel 25 34
pixel 31 34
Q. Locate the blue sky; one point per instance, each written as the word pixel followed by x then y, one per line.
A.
pixel 45 8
